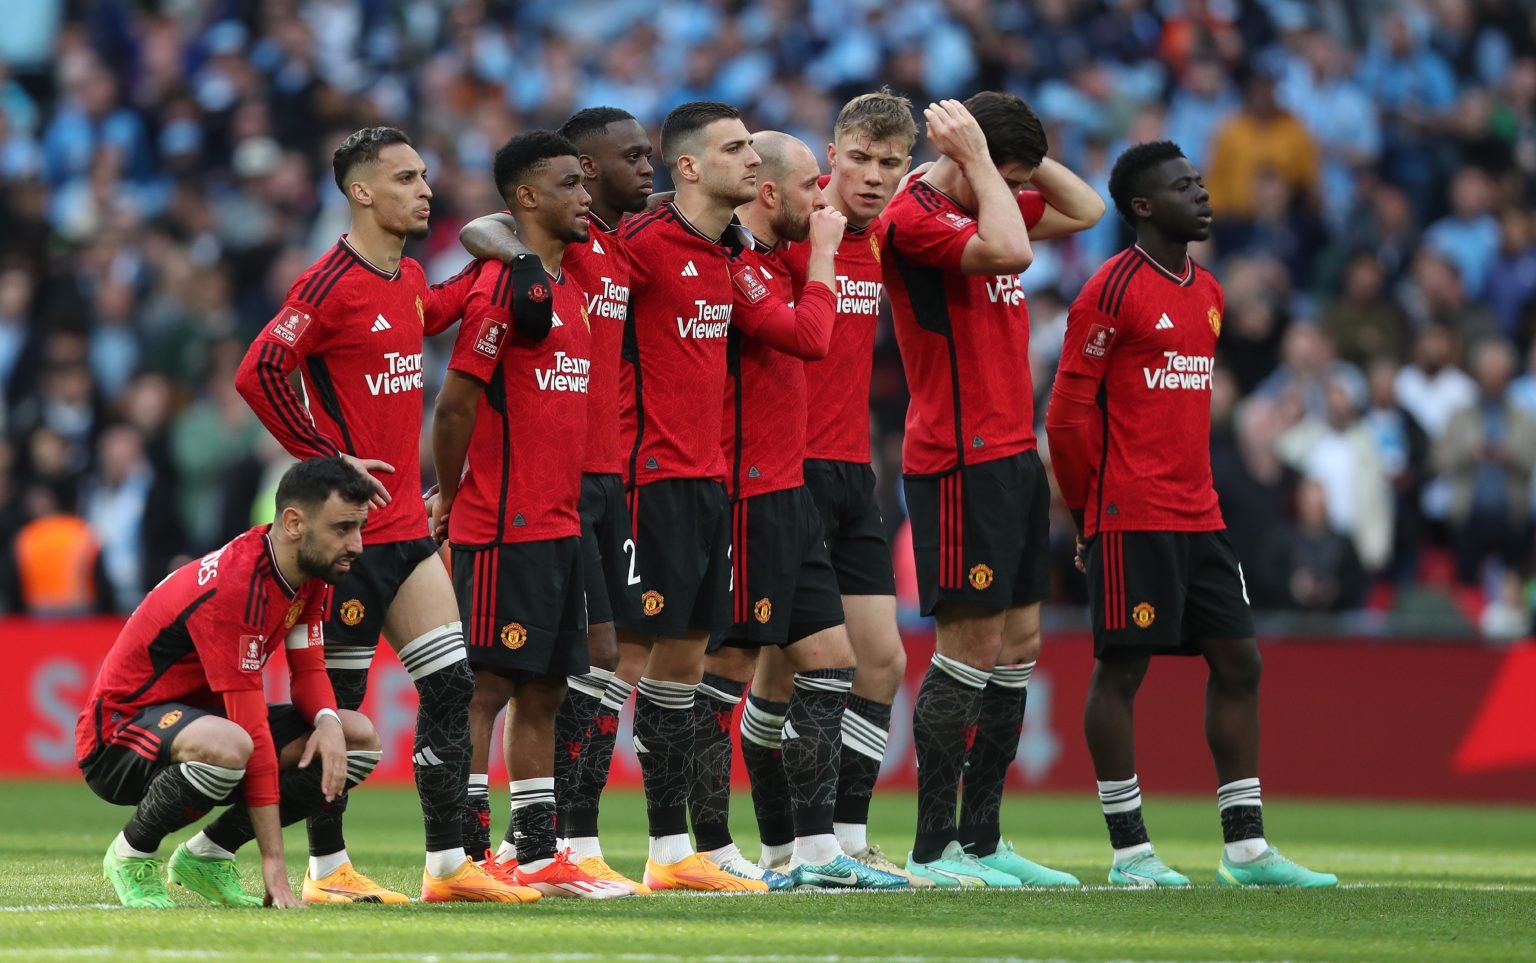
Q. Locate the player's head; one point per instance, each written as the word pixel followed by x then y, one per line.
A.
pixel 1154 186
pixel 322 504
pixel 708 149
pixel 380 172
pixel 540 177
pixel 615 154
pixel 870 151
pixel 1015 137
pixel 787 183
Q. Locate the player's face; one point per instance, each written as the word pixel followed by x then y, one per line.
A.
pixel 624 171
pixel 1180 206
pixel 564 204
pixel 727 163
pixel 1016 174
pixel 800 195
pixel 865 174
pixel 332 539
pixel 397 183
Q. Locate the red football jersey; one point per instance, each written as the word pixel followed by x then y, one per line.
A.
pixel 964 339
pixel 763 433
pixel 208 629
pixel 685 296
pixel 601 269
pixel 525 457
pixel 1149 338
pixel 837 426
pixel 356 335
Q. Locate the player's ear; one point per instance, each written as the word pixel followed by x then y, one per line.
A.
pixel 1141 207
pixel 527 197
pixel 831 154
pixel 291 521
pixel 360 194
pixel 687 167
pixel 588 165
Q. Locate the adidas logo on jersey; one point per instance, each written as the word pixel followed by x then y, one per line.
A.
pixel 379 324
pixel 596 247
pixel 1165 323
pixel 689 271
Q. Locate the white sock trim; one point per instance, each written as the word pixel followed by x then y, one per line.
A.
pixel 587 685
pixel 709 691
pixel 1013 676
pixel 864 737
pixel 1119 795
pixel 433 651
pixel 215 782
pixel 617 693
pixel 668 695
pixel 966 675
pixel 479 784
pixel 361 763
pixel 762 728
pixel 532 792
pixel 1241 792
pixel 340 655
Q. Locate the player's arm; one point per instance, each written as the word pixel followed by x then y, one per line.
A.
pixel 247 708
pixel 493 237
pixel 453 424
pixel 804 331
pixel 1069 422
pixel 310 687
pixel 1001 242
pixel 446 301
pixel 1070 204
pixel 262 380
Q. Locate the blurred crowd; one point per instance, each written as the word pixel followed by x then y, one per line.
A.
pixel 164 175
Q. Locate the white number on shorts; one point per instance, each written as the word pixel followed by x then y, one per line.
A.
pixel 629 549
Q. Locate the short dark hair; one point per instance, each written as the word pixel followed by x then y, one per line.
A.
pixel 363 147
pixel 309 484
pixel 881 115
pixel 1014 132
pixel 526 153
pixel 685 120
pixel 1136 160
pixel 591 121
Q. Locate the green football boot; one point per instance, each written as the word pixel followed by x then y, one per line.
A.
pixel 215 880
pixel 1271 869
pixel 956 868
pixel 1145 871
pixel 136 880
pixel 1027 872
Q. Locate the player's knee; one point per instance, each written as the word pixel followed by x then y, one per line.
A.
pixel 540 697
pixel 231 748
pixel 602 647
pixel 1239 668
pixel 358 730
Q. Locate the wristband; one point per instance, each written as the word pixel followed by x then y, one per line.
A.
pixel 326 712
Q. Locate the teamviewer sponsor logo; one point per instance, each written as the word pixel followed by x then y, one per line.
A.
pixel 709 321
pixel 1181 372
pixel 565 373
pixel 858 297
pixel 1006 289
pixel 401 374
pixel 610 302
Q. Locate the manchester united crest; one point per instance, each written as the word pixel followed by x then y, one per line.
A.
pixel 169 719
pixel 538 293
pixel 292 617
pixel 421 314
pixel 1214 317
pixel 874 247
pixel 981 577
pixel 652 602
pixel 762 611
pixel 352 611
pixel 513 635
pixel 1143 615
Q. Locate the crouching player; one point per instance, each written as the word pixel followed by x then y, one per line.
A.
pixel 177 722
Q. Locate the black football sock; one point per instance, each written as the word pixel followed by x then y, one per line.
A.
pixel 762 734
pixel 943 721
pixel 709 794
pixel 664 744
pixel 573 722
pixel 596 761
pixel 440 756
pixel 347 666
pixel 866 730
pixel 178 796
pixel 998 725
pixel 813 727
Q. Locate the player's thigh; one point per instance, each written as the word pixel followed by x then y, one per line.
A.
pixel 677 660
pixel 424 601
pixel 124 764
pixel 1137 588
pixel 969 634
pixel 872 631
pixel 1021 635
pixel 212 739
pixel 774 678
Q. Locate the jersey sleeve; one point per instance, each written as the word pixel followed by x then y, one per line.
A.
pixel 933 238
pixel 1069 423
pixel 804 331
pixel 230 649
pixel 304 647
pixel 486 328
pixel 248 710
pixel 446 301
pixel 262 378
pixel 1032 206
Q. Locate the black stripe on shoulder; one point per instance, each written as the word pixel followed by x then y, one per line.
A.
pixel 502 296
pixel 926 197
pixel 1123 262
pixel 1124 286
pixel 468 269
pixel 330 283
pixel 323 270
pixel 254 593
pixel 635 225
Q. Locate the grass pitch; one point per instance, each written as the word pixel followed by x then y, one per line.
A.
pixel 1420 882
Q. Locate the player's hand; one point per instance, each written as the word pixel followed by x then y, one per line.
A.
pixel 274 875
pixel 955 134
pixel 1080 557
pixel 367 466
pixel 330 744
pixel 437 510
pixel 827 226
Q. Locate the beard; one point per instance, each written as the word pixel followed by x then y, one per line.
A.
pixel 315 564
pixel 418 233
pixel 792 225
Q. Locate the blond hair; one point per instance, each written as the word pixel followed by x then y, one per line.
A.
pixel 881 116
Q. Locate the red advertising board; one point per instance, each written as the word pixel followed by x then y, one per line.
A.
pixel 1341 717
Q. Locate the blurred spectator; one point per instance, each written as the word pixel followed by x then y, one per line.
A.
pixel 1202 101
pixel 1339 453
pixel 1469 235
pixel 1309 368
pixel 132 515
pixel 1487 453
pixel 1362 321
pixel 1260 137
pixel 1319 87
pixel 1432 387
pixel 1416 91
pixel 1512 281
pixel 1434 295
pixel 57 561
pixel 1405 455
pixel 1317 565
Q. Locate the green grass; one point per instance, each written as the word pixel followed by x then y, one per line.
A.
pixel 1421 883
